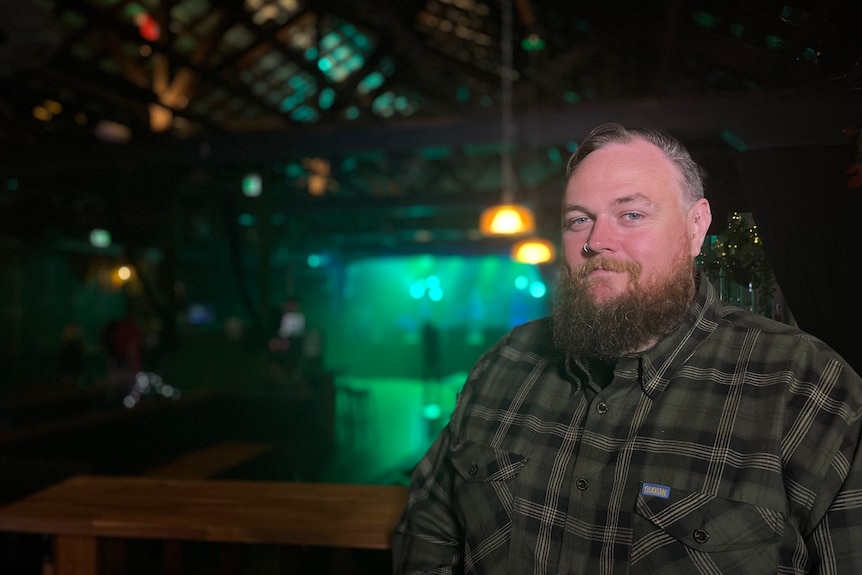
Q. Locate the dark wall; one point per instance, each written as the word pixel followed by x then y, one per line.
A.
pixel 810 225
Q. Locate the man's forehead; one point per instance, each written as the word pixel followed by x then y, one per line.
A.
pixel 636 171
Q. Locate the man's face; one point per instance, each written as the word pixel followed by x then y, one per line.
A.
pixel 626 202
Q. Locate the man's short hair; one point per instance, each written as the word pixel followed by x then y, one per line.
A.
pixel 692 174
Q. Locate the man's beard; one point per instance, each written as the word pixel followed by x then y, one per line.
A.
pixel 630 322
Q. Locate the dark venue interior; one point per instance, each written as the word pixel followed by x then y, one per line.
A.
pixel 240 241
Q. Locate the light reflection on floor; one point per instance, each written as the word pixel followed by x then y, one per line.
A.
pixel 383 427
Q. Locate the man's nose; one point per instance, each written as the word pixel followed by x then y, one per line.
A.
pixel 602 236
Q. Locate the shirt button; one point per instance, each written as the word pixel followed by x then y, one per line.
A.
pixel 473 469
pixel 602 408
pixel 700 535
pixel 582 484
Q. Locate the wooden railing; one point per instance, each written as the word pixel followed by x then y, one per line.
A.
pixel 82 511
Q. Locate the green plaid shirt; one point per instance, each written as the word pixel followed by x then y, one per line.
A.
pixel 729 448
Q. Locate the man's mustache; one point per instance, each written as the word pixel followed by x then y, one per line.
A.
pixel 608 264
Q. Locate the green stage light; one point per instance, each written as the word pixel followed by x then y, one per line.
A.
pixel 431 411
pixel 533 43
pixel 100 238
pixel 252 185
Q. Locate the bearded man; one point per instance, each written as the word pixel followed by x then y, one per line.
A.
pixel 645 427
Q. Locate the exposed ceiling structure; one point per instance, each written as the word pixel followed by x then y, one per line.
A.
pixel 379 125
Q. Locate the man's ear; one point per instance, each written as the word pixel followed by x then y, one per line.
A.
pixel 699 220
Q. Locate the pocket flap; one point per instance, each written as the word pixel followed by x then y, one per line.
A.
pixel 709 523
pixel 480 463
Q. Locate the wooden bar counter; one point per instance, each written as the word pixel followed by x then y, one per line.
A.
pixel 82 509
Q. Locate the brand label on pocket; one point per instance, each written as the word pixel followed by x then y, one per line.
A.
pixel 655 490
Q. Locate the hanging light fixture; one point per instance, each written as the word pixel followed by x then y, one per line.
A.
pixel 507 218
pixel 534 251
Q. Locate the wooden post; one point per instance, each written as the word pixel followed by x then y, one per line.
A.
pixel 76 555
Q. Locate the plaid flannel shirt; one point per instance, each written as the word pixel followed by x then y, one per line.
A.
pixel 728 448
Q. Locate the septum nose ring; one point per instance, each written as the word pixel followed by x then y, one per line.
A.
pixel 586 247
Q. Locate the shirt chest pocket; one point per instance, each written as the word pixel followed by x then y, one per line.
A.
pixel 690 532
pixel 485 480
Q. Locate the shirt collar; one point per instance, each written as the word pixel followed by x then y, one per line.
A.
pixel 658 364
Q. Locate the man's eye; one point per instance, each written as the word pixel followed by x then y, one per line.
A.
pixel 632 216
pixel 575 223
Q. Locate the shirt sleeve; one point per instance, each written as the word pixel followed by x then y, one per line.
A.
pixel 427 538
pixel 833 544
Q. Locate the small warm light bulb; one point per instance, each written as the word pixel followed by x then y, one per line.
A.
pixel 41 113
pixel 317 184
pixel 506 221
pixel 161 118
pixel 533 251
pixel 124 273
pixel 53 107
